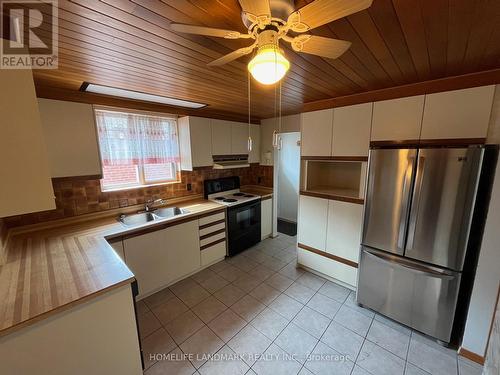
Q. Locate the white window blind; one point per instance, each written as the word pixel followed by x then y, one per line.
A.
pixel 136 149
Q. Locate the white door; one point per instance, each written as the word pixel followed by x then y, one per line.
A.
pixel 221 137
pixel 288 176
pixel 239 138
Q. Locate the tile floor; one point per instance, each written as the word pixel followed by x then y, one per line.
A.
pixel 222 319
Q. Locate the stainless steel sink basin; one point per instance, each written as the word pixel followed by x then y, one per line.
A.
pixel 146 217
pixel 170 212
pixel 137 219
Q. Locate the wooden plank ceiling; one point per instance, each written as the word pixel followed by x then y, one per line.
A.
pixel 126 44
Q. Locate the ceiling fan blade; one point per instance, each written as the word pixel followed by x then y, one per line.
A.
pixel 256 7
pixel 232 56
pixel 317 45
pixel 321 12
pixel 208 31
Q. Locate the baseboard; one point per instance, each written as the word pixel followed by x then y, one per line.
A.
pixel 471 356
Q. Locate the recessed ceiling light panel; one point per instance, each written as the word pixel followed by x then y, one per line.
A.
pixel 135 95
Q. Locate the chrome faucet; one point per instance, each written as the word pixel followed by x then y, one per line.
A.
pixel 150 203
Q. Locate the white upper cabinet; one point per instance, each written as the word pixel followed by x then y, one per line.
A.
pixel 312 223
pixel 351 130
pixel 221 137
pixel 397 119
pixel 254 155
pixel 458 114
pixel 345 221
pixel 25 174
pixel 70 134
pixel 239 138
pixel 195 141
pixel 316 133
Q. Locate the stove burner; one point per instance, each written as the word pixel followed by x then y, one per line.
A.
pixel 220 198
pixel 248 196
pixel 238 194
pixel 230 200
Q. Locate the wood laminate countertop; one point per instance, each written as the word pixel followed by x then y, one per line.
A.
pixel 52 269
pixel 264 192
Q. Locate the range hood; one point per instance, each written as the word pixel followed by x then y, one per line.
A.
pixel 230 161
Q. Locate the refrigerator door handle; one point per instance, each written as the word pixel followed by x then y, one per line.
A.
pixel 405 205
pixel 420 269
pixel 412 226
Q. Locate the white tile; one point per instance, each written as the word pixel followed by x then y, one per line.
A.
pixel 342 340
pixel 279 282
pixel 270 323
pixel 311 281
pixel 261 273
pixel 286 306
pixel 156 344
pixel 227 325
pixel 291 271
pixel 214 283
pixel 379 361
pixel 184 326
pixel 414 370
pixel 189 292
pixel 265 293
pixel 248 307
pixel 325 361
pixel 158 298
pixel 359 371
pixel 389 339
pixel 231 273
pixel 335 291
pixel 209 309
pixel 224 362
pixel 297 342
pixel 466 367
pixel 300 292
pixel 393 324
pixel 324 305
pixel 311 321
pixel 353 320
pixel 249 344
pixel 201 345
pixel 275 264
pixel 351 302
pixel 275 361
pixel 175 363
pixel 229 295
pixel 430 357
pixel 247 283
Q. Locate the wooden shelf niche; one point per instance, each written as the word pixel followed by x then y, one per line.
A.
pixel 342 180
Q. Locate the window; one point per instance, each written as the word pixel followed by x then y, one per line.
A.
pixel 137 150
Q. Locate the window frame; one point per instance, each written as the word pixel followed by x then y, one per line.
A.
pixel 140 167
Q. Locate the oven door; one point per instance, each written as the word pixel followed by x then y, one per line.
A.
pixel 243 226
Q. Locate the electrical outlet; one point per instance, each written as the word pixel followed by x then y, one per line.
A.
pixel 189 187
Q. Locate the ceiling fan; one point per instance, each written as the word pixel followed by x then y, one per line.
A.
pixel 269 21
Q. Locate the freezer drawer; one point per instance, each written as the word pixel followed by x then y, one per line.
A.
pixel 409 292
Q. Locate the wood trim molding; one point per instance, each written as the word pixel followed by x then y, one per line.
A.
pixel 328 255
pixel 212 224
pixel 77 178
pixel 335 158
pixel 471 356
pixel 212 213
pixel 205 236
pixel 212 244
pixel 333 197
pixel 488 77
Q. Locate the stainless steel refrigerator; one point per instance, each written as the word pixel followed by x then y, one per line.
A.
pixel 417 222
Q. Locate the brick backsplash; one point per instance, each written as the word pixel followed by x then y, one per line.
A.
pixel 78 196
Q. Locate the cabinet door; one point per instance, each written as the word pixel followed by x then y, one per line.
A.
pixel 266 222
pixel 254 156
pixel 239 138
pixel 181 243
pixel 458 114
pixel 397 119
pixel 147 258
pixel 316 133
pixel 201 141
pixel 313 216
pixel 351 130
pixel 221 137
pixel 25 176
pixel 344 229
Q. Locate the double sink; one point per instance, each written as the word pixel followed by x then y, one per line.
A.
pixel 146 217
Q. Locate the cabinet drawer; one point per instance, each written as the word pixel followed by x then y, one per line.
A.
pixel 212 229
pixel 210 219
pixel 211 239
pixel 213 253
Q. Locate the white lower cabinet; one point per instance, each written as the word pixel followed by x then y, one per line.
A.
pixel 266 221
pixel 312 225
pixel 158 258
pixel 213 253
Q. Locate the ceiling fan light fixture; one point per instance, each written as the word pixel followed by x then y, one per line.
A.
pixel 269 65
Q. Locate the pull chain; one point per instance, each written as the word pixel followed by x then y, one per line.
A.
pixel 250 141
